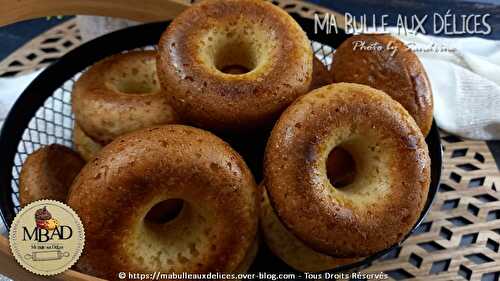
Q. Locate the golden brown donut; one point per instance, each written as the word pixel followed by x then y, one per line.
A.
pixel 290 249
pixel 48 173
pixel 249 258
pixel 213 231
pixel 321 75
pixel 120 94
pixel 85 145
pixel 400 74
pixel 202 47
pixel 392 177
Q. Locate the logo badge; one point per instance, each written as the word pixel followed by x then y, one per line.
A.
pixel 46 237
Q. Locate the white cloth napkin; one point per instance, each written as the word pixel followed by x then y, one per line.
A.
pixel 10 89
pixel 465 83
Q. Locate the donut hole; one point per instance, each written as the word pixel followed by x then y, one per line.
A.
pixel 234 69
pixel 238 49
pixel 135 87
pixel 165 211
pixel 139 77
pixel 235 58
pixel 175 243
pixel 359 168
pixel 340 167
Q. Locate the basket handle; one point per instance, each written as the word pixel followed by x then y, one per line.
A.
pixel 145 10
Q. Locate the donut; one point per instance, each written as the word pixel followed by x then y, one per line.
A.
pixel 85 145
pixel 48 173
pixel 249 258
pixel 120 94
pixel 207 43
pixel 212 232
pixel 321 75
pixel 392 170
pixel 393 68
pixel 290 249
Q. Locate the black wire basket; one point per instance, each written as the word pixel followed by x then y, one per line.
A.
pixel 42 115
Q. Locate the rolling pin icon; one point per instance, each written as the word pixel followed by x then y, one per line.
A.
pixel 46 255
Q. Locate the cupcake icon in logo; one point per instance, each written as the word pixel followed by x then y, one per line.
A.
pixel 44 219
pixel 46 237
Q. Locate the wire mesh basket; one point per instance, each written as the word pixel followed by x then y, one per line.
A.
pixel 42 115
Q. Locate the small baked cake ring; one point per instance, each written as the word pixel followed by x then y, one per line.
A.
pixel 214 229
pixel 85 145
pixel 198 53
pixel 249 258
pixel 394 69
pixel 48 173
pixel 120 94
pixel 290 249
pixel 392 177
pixel 321 75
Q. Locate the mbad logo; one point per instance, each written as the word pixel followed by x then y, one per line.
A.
pixel 47 228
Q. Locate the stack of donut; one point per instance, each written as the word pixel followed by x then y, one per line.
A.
pixel 345 170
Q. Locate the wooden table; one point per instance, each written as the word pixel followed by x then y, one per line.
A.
pixel 460 238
